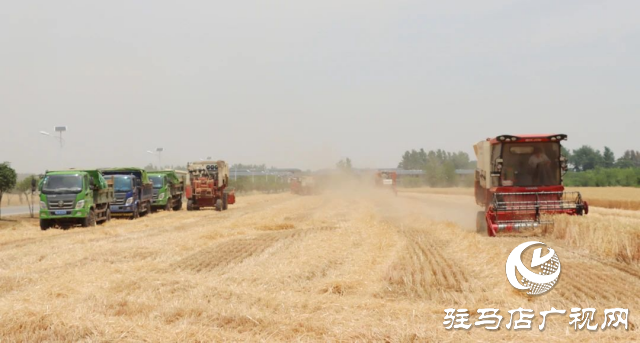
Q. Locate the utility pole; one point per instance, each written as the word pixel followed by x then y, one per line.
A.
pixel 60 130
pixel 159 153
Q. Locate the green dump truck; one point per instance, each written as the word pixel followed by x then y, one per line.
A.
pixel 168 189
pixel 74 197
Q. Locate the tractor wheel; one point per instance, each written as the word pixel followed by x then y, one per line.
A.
pixel 189 205
pixel 178 206
pixel 89 220
pixel 219 205
pixel 45 224
pixel 225 201
pixel 481 222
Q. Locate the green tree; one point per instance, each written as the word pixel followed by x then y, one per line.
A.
pixel 150 167
pixel 344 165
pixel 8 178
pixel 26 187
pixel 439 165
pixel 629 159
pixel 608 158
pixel 586 158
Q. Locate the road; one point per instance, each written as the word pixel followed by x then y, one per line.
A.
pixel 16 210
pixel 365 266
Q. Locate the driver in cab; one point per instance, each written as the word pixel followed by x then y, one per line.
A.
pixel 538 158
pixel 539 163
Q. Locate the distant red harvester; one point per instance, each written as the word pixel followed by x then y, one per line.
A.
pixel 387 179
pixel 305 185
pixel 519 180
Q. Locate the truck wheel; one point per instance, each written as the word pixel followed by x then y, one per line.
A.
pixel 44 224
pixel 189 205
pixel 107 216
pixel 481 222
pixel 225 201
pixel 89 220
pixel 147 209
pixel 178 206
pixel 219 205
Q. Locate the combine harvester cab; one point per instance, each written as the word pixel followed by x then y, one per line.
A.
pixel 207 186
pixel 518 181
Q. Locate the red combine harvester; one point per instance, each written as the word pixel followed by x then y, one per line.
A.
pixel 207 185
pixel 387 179
pixel 295 185
pixel 305 185
pixel 519 182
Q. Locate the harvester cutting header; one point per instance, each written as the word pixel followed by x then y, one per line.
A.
pixel 518 181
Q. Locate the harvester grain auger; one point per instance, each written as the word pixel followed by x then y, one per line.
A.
pixel 519 183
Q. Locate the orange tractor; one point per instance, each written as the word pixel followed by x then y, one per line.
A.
pixel 207 186
pixel 518 181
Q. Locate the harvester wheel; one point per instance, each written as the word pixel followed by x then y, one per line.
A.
pixel 44 224
pixel 225 201
pixel 481 222
pixel 90 220
pixel 189 205
pixel 219 205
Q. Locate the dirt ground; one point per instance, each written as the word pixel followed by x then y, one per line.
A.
pixel 339 266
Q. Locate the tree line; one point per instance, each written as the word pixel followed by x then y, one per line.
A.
pixel 588 167
pixel 587 158
pixel 592 168
pixel 24 188
pixel 439 167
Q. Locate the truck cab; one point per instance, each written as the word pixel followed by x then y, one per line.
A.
pixel 168 189
pixel 74 197
pixel 133 191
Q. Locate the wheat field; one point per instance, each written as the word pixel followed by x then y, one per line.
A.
pixel 357 266
pixel 624 198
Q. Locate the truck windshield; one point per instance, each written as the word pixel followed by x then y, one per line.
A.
pixel 531 164
pixel 158 181
pixel 122 183
pixel 57 184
